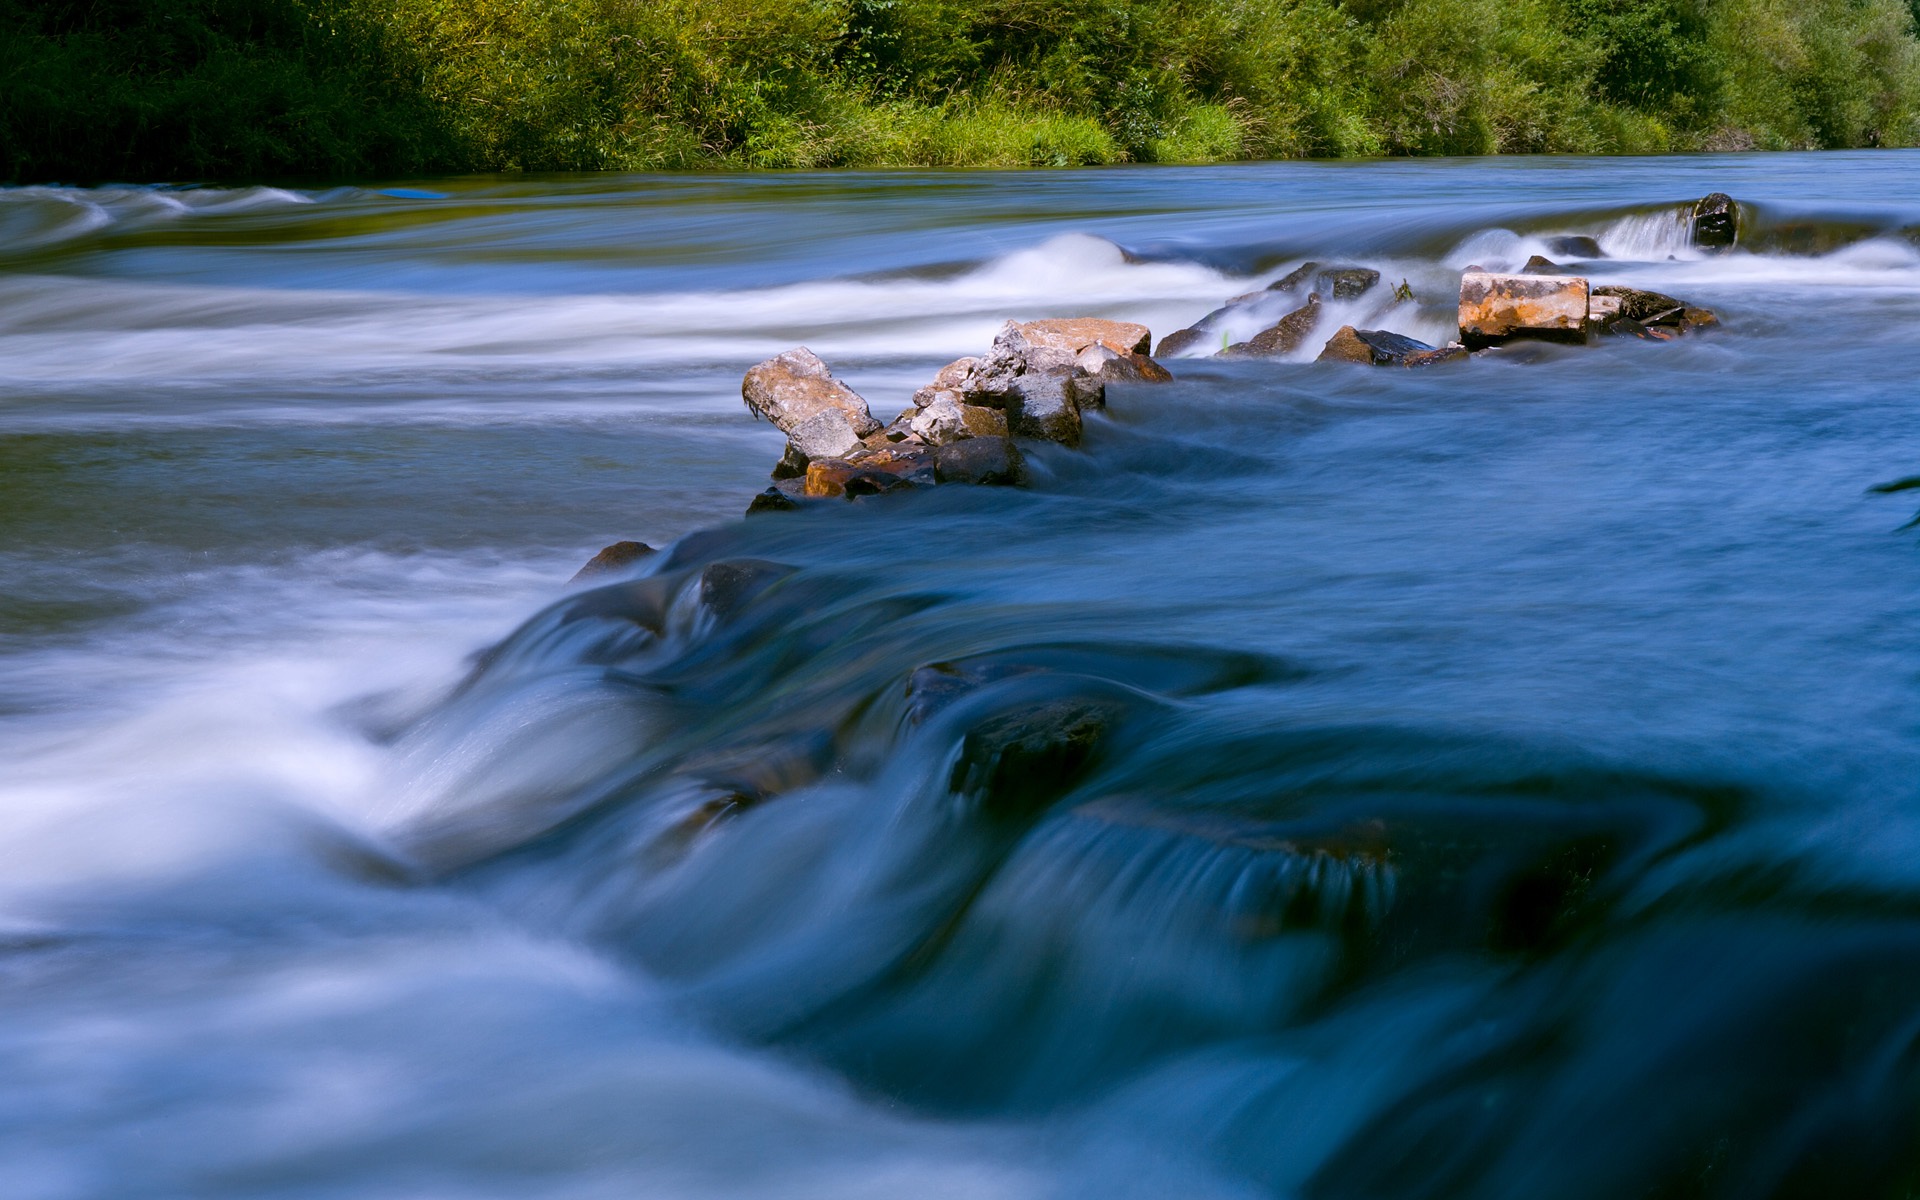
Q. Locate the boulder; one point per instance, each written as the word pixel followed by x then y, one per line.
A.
pixel 1345 283
pixel 614 559
pixel 791 388
pixel 826 434
pixel 1377 347
pixel 1186 339
pixel 1575 245
pixel 1294 279
pixel 1495 308
pixel 1046 406
pixel 1716 221
pixel 1282 337
pixel 871 474
pixel 1071 335
pixel 1108 365
pixel 980 460
pixel 946 419
pixel 1542 266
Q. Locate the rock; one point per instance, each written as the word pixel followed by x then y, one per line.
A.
pixel 871 472
pixel 1107 365
pixel 1699 318
pixel 1637 304
pixel 1494 308
pixel 1282 337
pixel 1542 266
pixel 980 460
pixel 945 419
pixel 1575 245
pixel 1186 339
pixel 1345 283
pixel 953 377
pixel 614 559
pixel 1046 406
pixel 1291 281
pixel 826 434
pixel 1074 334
pixel 729 585
pixel 1375 346
pixel 791 388
pixel 1452 352
pixel 1601 309
pixel 772 500
pixel 1016 763
pixel 1716 221
pixel 792 464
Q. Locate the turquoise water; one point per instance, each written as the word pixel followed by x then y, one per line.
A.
pixel 1503 778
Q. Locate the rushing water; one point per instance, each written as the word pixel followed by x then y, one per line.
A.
pixel 1493 781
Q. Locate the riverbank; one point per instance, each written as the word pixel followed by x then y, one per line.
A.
pixel 259 89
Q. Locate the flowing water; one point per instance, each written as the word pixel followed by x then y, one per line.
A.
pixel 1501 780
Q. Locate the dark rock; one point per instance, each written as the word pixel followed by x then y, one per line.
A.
pixel 790 388
pixel 772 500
pixel 1186 339
pixel 1653 309
pixel 1542 266
pixel 1345 283
pixel 1378 347
pixel 1016 763
pixel 1046 406
pixel 615 558
pixel 792 464
pixel 980 460
pixel 1294 279
pixel 1575 245
pixel 1716 221
pixel 727 586
pixel 1282 337
pixel 1454 352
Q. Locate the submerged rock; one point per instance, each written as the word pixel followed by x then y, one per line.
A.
pixel 1282 337
pixel 614 559
pixel 1495 308
pixel 1575 245
pixel 774 499
pixel 1016 763
pixel 1716 221
pixel 791 388
pixel 980 460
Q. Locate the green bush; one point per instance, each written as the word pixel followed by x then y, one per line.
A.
pixel 232 89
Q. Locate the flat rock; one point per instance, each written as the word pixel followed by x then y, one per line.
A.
pixel 613 560
pixel 793 387
pixel 1282 337
pixel 826 434
pixel 1494 308
pixel 1074 334
pixel 980 460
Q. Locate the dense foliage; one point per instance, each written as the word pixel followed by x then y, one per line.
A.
pixel 171 89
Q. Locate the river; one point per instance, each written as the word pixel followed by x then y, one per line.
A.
pixel 1503 779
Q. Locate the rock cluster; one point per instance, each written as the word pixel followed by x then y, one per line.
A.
pixel 1036 382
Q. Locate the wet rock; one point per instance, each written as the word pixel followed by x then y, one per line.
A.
pixel 870 473
pixel 1699 318
pixel 1107 365
pixel 1016 763
pixel 613 560
pixel 789 389
pixel 1047 406
pixel 826 434
pixel 1039 342
pixel 1453 352
pixel 1575 245
pixel 1542 266
pixel 1495 308
pixel 727 586
pixel 980 460
pixel 1186 339
pixel 1345 283
pixel 1377 347
pixel 792 464
pixel 1639 312
pixel 1637 304
pixel 772 500
pixel 1602 309
pixel 1295 279
pixel 1283 337
pixel 1716 221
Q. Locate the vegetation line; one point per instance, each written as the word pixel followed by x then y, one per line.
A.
pixel 237 89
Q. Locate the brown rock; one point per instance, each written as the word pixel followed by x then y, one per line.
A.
pixel 790 388
pixel 1107 365
pixel 1539 265
pixel 956 376
pixel 1494 308
pixel 1183 340
pixel 980 460
pixel 1345 346
pixel 1291 281
pixel 1283 337
pixel 1074 334
pixel 878 471
pixel 614 559
pixel 1454 352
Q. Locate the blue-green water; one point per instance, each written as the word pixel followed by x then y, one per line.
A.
pixel 1503 779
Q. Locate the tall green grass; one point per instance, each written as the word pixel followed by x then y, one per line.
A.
pixel 231 89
